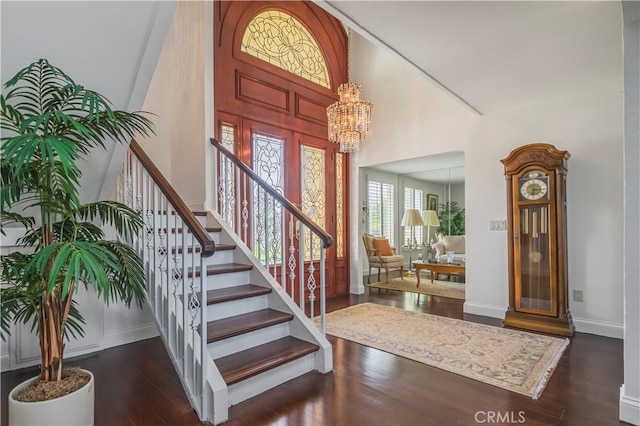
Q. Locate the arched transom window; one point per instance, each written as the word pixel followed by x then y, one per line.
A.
pixel 281 40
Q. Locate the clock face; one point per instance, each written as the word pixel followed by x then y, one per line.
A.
pixel 534 189
pixel 533 186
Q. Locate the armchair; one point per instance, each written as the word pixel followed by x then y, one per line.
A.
pixel 381 255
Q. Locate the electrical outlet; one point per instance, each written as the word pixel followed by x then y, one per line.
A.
pixel 578 296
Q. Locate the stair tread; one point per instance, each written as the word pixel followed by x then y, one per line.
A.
pixel 207 228
pixel 235 293
pixel 239 324
pixel 219 247
pixel 174 212
pixel 223 268
pixel 244 364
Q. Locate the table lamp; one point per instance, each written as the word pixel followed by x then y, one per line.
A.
pixel 429 218
pixel 411 218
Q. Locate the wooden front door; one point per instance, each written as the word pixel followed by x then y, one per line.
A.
pixel 277 116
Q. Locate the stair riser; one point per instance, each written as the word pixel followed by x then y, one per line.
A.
pixel 173 242
pixel 256 385
pixel 230 279
pixel 218 258
pixel 248 340
pixel 236 307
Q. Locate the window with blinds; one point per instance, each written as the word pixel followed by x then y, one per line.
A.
pixel 380 205
pixel 413 199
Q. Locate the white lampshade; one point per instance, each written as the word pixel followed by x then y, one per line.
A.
pixel 430 218
pixel 412 218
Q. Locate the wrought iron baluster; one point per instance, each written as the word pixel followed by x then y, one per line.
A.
pixel 311 281
pixel 301 250
pixel 292 257
pixel 245 212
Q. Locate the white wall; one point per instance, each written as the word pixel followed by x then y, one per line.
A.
pixel 176 96
pixel 630 392
pixel 413 118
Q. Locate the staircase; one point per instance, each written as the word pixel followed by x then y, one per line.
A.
pixel 256 336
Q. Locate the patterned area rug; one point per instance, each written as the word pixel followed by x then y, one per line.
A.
pixel 514 360
pixel 438 288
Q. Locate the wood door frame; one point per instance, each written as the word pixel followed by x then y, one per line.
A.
pixel 250 90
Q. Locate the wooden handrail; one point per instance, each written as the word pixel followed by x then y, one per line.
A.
pixel 327 240
pixel 208 246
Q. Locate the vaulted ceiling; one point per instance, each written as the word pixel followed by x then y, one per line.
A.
pixel 494 54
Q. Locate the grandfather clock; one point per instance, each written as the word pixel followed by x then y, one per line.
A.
pixel 537 232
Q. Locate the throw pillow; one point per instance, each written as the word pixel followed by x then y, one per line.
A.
pixel 382 245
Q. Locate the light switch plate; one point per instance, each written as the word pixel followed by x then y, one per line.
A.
pixel 497 225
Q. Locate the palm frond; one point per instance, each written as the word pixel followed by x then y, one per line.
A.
pixel 127 281
pixel 126 222
pixel 79 261
pixel 20 299
pixel 21 150
pixel 75 321
pixel 8 218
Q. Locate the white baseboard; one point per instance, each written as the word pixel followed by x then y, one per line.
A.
pixel 599 328
pixel 492 311
pixel 629 408
pixel 356 289
pixel 5 363
pixel 130 335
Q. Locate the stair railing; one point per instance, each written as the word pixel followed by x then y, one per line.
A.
pixel 289 244
pixel 173 245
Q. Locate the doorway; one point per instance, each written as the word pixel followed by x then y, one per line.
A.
pixel 272 113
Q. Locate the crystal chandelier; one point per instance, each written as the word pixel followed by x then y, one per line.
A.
pixel 349 119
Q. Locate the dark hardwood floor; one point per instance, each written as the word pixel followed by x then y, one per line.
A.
pixel 136 385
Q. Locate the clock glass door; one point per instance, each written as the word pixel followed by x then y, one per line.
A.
pixel 536 289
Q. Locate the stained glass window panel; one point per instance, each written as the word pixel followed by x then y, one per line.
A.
pixel 281 40
pixel 268 163
pixel 227 136
pixel 340 204
pixel 313 195
pixel 226 182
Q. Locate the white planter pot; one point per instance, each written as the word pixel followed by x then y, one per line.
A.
pixel 74 409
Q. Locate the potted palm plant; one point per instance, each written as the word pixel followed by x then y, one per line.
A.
pixel 49 123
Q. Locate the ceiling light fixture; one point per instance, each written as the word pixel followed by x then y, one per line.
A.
pixel 349 119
